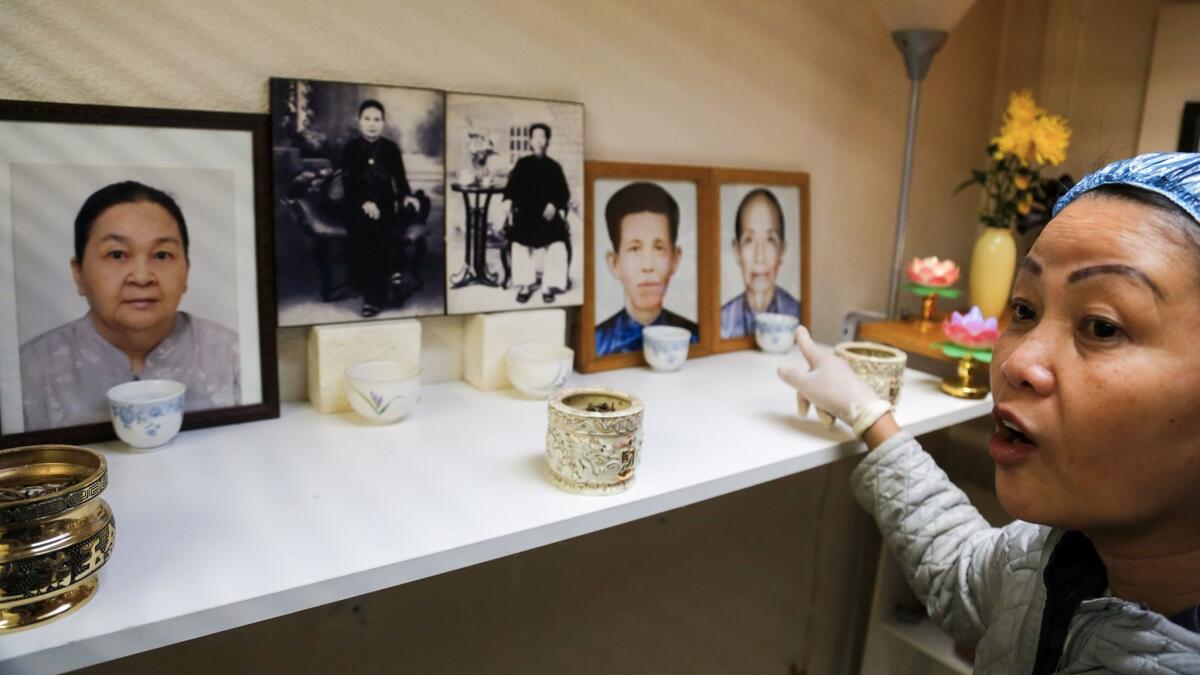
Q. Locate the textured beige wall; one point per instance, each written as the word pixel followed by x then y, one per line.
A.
pixel 775 84
pixel 813 85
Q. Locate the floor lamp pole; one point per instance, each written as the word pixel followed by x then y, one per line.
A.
pixel 918 48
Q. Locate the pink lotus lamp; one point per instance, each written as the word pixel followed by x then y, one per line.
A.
pixel 929 278
pixel 969 338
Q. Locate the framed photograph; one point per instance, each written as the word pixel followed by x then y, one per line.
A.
pixel 762 248
pixel 1189 129
pixel 134 244
pixel 359 201
pixel 514 219
pixel 647 243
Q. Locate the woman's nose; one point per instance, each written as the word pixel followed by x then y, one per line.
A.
pixel 139 272
pixel 1028 366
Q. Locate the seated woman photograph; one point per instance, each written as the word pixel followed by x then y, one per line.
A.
pixel 1096 384
pixel 131 264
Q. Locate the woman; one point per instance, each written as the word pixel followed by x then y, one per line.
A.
pixel 1096 383
pixel 131 264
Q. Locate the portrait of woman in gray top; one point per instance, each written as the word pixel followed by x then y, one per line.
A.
pixel 131 264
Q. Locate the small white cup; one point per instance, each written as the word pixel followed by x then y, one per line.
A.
pixel 146 413
pixel 665 347
pixel 775 333
pixel 538 369
pixel 383 391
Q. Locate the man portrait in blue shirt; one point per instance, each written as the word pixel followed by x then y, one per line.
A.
pixel 643 226
pixel 759 246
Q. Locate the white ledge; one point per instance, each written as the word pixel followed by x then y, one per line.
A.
pixel 237 524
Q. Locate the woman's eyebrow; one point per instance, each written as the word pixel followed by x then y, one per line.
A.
pixel 1030 265
pixel 1124 270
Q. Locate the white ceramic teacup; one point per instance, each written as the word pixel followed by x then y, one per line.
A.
pixel 665 347
pixel 147 413
pixel 383 391
pixel 775 332
pixel 538 369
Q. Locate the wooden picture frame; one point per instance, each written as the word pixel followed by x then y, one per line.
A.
pixel 607 298
pixel 729 188
pixel 214 167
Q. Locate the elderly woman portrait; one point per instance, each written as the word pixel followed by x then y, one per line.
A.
pixel 759 247
pixel 1096 384
pixel 131 265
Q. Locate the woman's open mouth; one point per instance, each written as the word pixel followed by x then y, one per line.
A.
pixel 1012 443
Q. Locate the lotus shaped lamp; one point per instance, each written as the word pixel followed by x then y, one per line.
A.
pixel 933 272
pixel 971 331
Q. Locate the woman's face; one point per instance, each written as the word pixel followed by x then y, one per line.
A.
pixel 370 123
pixel 134 271
pixel 759 250
pixel 1100 369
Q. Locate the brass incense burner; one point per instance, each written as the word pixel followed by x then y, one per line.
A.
pixel 55 532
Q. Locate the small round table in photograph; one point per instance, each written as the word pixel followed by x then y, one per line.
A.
pixel 476 199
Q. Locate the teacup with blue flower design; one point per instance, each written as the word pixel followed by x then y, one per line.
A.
pixel 665 347
pixel 147 414
pixel 775 333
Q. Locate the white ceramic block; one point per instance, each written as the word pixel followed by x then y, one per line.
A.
pixel 488 337
pixel 332 348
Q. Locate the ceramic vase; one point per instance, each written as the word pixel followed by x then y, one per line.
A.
pixel 993 263
pixel 594 440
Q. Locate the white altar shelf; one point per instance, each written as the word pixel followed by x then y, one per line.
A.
pixel 237 524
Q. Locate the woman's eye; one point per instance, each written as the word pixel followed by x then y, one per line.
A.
pixel 115 255
pixel 1022 312
pixel 1100 329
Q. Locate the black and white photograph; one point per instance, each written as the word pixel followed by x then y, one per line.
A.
pixel 514 221
pixel 762 248
pixel 360 202
pixel 131 252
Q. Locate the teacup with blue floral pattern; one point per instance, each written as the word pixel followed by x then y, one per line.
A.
pixel 147 413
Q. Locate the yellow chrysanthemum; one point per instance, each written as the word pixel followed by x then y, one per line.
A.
pixel 1051 136
pixel 1025 205
pixel 1016 138
pixel 1021 182
pixel 1022 107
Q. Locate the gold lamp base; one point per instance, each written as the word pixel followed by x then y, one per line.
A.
pixel 964 384
pixel 31 614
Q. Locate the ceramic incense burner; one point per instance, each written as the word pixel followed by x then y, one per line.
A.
pixel 594 440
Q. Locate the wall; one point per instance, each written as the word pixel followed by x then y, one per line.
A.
pixel 1174 77
pixel 814 86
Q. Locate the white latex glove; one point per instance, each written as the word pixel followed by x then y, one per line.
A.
pixel 828 383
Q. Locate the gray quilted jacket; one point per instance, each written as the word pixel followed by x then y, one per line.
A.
pixel 984 585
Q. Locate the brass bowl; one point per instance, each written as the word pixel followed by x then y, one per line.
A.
pixel 55 532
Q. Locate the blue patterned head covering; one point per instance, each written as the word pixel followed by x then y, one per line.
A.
pixel 1174 175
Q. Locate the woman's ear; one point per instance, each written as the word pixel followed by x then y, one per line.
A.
pixel 78 275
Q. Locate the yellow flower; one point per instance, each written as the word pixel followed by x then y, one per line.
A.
pixel 1021 182
pixel 1022 107
pixel 1051 136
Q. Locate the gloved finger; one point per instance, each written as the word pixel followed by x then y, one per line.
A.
pixel 801 405
pixel 826 419
pixel 813 353
pixel 793 375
